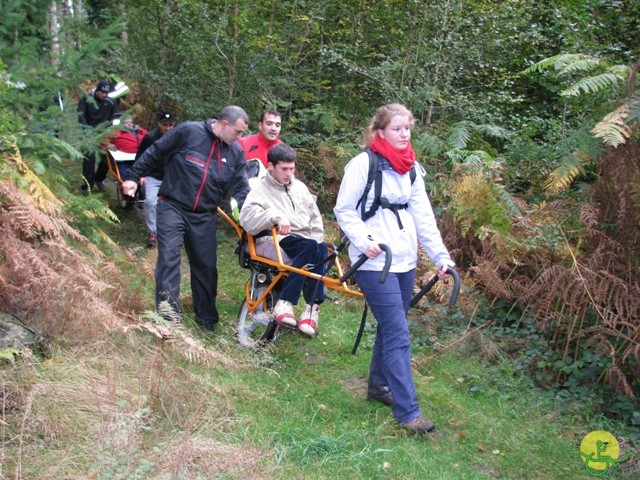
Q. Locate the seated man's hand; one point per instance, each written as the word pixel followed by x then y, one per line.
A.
pixel 284 226
pixel 129 188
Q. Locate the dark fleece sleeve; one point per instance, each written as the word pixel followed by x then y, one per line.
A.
pixel 154 156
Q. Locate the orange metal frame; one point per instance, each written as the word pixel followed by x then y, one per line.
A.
pixel 284 269
pixel 113 165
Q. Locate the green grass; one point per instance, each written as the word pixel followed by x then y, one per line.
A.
pixel 314 413
pixel 132 405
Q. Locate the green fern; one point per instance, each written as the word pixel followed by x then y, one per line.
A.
pixel 585 64
pixel 506 200
pixel 493 131
pixel 468 157
pixel 70 150
pixel 557 62
pixel 428 144
pixel 594 84
pixel 477 157
pixel 460 135
pixel 634 109
pixel 614 129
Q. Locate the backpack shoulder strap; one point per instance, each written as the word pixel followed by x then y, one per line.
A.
pixel 373 169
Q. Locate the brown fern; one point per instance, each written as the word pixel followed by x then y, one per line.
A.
pixel 585 289
pixel 43 278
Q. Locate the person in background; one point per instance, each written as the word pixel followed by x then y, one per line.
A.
pixel 258 144
pixel 153 179
pixel 405 219
pixel 96 109
pixel 126 139
pixel 282 200
pixel 203 163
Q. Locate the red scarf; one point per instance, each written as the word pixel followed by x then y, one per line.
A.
pixel 400 160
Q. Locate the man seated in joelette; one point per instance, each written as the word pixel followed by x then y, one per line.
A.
pixel 126 140
pixel 282 200
pixel 258 144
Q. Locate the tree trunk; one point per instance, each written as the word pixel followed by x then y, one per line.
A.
pixel 53 25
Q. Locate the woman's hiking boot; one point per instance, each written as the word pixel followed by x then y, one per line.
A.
pixel 419 425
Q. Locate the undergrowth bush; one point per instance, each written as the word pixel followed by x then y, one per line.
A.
pixel 576 383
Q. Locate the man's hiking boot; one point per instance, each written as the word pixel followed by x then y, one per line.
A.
pixel 308 323
pixel 206 326
pixel 100 186
pixel 419 425
pixel 380 394
pixel 283 314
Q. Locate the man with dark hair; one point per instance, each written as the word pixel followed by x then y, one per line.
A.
pixel 153 179
pixel 257 145
pixel 282 200
pixel 95 109
pixel 203 164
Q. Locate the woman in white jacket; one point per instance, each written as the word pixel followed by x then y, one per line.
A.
pixel 405 217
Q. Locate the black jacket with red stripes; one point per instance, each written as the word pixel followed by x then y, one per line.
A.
pixel 200 170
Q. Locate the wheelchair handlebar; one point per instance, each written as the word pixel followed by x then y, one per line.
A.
pixel 363 258
pixel 454 294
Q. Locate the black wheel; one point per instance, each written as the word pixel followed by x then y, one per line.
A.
pixel 125 202
pixel 257 329
pixel 140 195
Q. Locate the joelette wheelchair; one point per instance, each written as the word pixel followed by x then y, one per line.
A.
pixel 269 265
pixel 118 163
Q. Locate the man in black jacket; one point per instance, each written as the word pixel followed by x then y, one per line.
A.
pixel 94 110
pixel 203 163
pixel 153 180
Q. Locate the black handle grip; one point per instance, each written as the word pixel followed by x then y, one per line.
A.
pixel 363 258
pixel 454 294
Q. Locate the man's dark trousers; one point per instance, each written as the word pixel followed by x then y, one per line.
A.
pixel 303 251
pixel 198 232
pixel 89 173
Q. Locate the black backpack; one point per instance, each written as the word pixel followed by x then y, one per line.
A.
pixel 376 161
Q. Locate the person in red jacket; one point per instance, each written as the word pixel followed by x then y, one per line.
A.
pixel 126 140
pixel 258 144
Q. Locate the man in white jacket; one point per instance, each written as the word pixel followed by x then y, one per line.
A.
pixel 282 200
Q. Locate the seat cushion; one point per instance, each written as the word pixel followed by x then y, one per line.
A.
pixel 268 249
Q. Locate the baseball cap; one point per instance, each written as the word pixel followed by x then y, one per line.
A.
pixel 103 86
pixel 165 117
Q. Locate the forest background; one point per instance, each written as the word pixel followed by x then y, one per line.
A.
pixel 526 121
